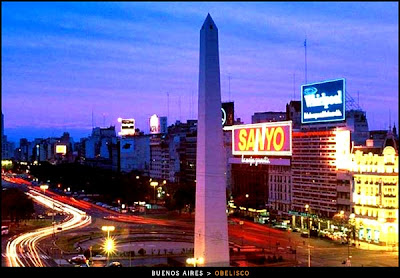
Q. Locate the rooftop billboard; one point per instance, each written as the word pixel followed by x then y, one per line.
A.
pixel 127 127
pixel 323 101
pixel 272 138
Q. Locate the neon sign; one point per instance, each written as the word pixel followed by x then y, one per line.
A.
pixel 323 101
pixel 273 138
pixel 250 160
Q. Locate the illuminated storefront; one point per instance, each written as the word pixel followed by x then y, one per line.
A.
pixel 375 194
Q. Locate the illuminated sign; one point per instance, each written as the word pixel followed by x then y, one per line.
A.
pixel 61 149
pixel 250 160
pixel 298 213
pixel 155 124
pixel 323 101
pixel 127 126
pixel 272 138
pixel 227 110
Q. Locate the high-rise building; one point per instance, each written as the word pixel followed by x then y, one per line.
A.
pixel 159 157
pixel 317 158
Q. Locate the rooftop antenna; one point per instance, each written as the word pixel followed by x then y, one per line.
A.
pixel 390 120
pixel 229 78
pixel 180 111
pixel 358 98
pixel 191 105
pixel 168 105
pixel 305 59
pixel 104 120
pixel 294 81
pixel 92 119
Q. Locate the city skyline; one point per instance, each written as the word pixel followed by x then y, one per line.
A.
pixel 61 61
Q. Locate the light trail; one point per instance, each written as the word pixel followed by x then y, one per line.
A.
pixel 25 245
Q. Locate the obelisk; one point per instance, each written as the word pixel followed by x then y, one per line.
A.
pixel 211 228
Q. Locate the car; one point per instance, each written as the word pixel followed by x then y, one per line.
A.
pixel 296 229
pixel 99 258
pixel 304 234
pixel 84 265
pixel 80 259
pixel 114 264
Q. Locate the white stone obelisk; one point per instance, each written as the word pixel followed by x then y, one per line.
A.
pixel 211 227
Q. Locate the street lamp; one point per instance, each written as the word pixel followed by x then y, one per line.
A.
pixel 309 232
pixel 195 261
pixel 108 229
pixel 44 187
pixel 109 244
pixel 154 184
pixel 109 247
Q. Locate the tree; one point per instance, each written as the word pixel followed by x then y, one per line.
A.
pixel 15 205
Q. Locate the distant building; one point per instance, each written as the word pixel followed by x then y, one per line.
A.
pixel 293 113
pixel 182 152
pixel 135 153
pixel 262 117
pixel 159 157
pixel 357 123
pixel 7 148
pixel 102 148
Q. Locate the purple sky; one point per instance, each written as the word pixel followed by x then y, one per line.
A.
pixel 60 61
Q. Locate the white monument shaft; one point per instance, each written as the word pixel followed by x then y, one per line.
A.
pixel 211 227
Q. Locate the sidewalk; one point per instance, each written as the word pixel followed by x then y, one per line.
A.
pixel 370 246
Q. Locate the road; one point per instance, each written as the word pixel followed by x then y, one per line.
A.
pixel 23 250
pixel 322 252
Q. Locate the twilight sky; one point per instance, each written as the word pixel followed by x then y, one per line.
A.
pixel 61 61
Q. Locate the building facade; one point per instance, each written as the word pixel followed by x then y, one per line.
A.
pixel 375 194
pixel 317 158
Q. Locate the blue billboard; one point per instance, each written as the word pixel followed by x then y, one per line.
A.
pixel 323 101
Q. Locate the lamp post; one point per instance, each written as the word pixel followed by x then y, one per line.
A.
pixel 247 203
pixel 309 227
pixel 154 184
pixel 108 229
pixel 109 244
